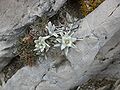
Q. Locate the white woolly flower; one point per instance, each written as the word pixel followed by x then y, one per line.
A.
pixel 66 42
pixel 51 29
pixel 41 44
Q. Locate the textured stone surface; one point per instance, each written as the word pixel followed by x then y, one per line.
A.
pixel 89 60
pixel 14 14
pixel 30 77
pixel 103 28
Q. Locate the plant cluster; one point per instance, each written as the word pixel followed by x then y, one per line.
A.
pixel 43 36
pixel 57 36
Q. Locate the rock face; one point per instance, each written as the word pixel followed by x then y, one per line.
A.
pixel 15 15
pixel 94 54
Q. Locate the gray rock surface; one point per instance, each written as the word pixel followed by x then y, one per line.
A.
pixel 94 54
pixel 15 14
pixel 103 28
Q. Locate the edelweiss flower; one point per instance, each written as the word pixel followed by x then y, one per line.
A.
pixel 66 42
pixel 51 29
pixel 41 44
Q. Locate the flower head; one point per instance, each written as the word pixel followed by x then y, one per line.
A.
pixel 66 42
pixel 51 29
pixel 41 45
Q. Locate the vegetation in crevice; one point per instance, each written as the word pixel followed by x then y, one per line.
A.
pixel 77 8
pixel 26 42
pixel 81 8
pixel 88 6
pixel 26 55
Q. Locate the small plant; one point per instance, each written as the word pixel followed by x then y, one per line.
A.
pixel 51 29
pixel 66 41
pixel 43 37
pixel 41 44
pixel 59 36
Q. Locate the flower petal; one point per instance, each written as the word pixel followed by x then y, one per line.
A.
pixel 59 40
pixel 72 33
pixel 75 26
pixel 40 38
pixel 49 23
pixel 53 27
pixel 47 27
pixel 47 45
pixel 46 37
pixel 66 51
pixel 35 49
pixel 63 46
pixel 36 45
pixel 73 46
pixel 73 39
pixel 42 49
pixel 36 41
pixel 56 45
pixel 54 34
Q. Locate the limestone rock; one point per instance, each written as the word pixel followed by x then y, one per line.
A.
pixel 99 29
pixel 15 15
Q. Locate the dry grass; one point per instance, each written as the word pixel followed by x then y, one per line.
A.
pixel 26 42
pixel 88 6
